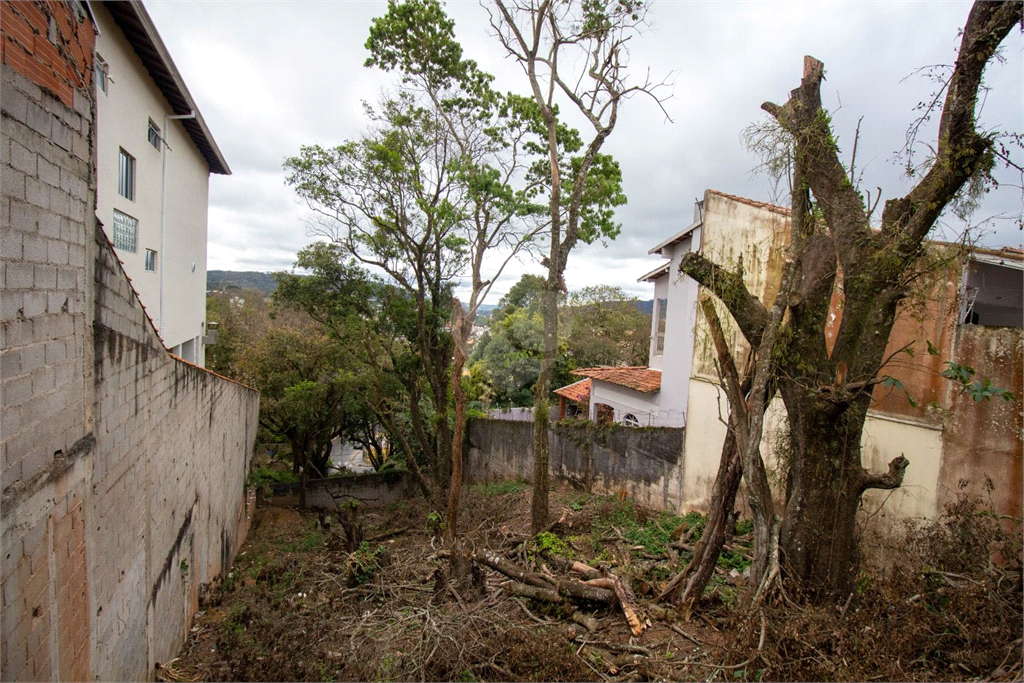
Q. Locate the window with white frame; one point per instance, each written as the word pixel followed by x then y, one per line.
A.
pixel 154 134
pixel 659 347
pixel 102 74
pixel 126 175
pixel 151 260
pixel 126 231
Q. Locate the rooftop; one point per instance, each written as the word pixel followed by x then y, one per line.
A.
pixel 642 379
pixel 751 202
pixel 577 392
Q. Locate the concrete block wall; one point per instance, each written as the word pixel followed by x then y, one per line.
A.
pixel 647 464
pixel 167 522
pixel 122 468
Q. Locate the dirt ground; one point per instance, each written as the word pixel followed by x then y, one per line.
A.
pixel 298 605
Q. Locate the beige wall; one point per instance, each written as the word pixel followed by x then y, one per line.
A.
pixel 123 115
pixel 946 437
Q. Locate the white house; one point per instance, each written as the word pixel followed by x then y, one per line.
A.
pixel 154 155
pixel 629 395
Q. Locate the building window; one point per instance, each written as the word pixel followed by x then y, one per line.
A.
pixel 154 134
pixel 126 230
pixel 126 175
pixel 102 74
pixel 993 295
pixel 659 347
pixel 629 420
pixel 151 260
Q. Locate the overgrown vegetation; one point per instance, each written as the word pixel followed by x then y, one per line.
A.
pixel 357 596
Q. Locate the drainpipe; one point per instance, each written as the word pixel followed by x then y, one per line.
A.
pixel 163 207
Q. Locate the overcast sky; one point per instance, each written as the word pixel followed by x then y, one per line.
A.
pixel 271 76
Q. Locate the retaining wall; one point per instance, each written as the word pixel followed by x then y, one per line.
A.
pixel 646 463
pixel 123 468
pixel 371 489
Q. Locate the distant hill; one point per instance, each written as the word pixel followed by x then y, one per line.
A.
pixel 646 306
pixel 240 279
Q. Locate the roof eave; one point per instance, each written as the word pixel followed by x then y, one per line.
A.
pixel 139 29
pixel 675 238
pixel 656 273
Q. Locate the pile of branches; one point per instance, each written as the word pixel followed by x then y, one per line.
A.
pixel 592 586
pixel 950 609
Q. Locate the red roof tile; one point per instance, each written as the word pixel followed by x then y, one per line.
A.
pixel 577 392
pixel 641 379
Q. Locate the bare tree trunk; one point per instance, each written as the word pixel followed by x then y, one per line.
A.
pixel 461 329
pixel 410 458
pixel 688 585
pixel 541 417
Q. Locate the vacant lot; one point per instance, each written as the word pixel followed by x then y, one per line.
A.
pixel 310 598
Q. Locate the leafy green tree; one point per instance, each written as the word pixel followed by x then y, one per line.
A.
pixel 304 391
pixel 573 52
pixel 491 133
pixel 387 201
pixel 375 321
pixel 603 326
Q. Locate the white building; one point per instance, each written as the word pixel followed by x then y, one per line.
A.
pixel 155 155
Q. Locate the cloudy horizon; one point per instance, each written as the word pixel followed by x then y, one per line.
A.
pixel 269 77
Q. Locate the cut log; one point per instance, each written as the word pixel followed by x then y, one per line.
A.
pixel 534 593
pixel 585 620
pixel 628 603
pixel 566 587
pixel 511 570
pixel 564 564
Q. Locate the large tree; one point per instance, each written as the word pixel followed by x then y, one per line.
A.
pixel 572 52
pixel 490 134
pixel 389 201
pixel 378 324
pixel 827 388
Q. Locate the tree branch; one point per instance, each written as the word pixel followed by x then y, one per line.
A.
pixel 892 479
pixel 961 150
pixel 728 286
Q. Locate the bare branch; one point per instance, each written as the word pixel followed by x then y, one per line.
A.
pixel 746 309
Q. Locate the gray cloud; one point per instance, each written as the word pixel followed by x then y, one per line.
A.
pixel 272 76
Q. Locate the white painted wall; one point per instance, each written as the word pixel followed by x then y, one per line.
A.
pixel 123 115
pixel 645 407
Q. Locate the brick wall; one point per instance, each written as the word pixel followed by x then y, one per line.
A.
pixel 122 468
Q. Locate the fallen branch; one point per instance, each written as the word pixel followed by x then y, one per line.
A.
pixel 566 587
pixel 628 603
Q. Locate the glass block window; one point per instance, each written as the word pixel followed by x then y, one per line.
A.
pixel 659 347
pixel 126 175
pixel 126 230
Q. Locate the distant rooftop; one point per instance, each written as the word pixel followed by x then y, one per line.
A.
pixel 642 379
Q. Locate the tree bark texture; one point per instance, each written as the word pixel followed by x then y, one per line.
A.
pixel 461 329
pixel 541 415
pixel 827 392
pixel 688 585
